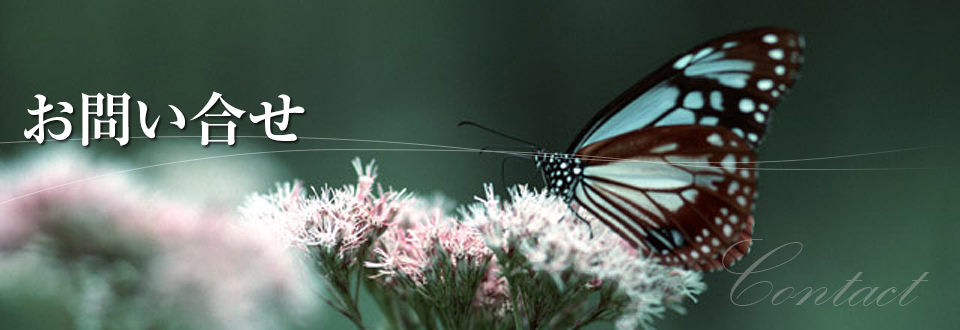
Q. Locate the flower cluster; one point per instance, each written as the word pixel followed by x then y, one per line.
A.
pixel 335 226
pixel 115 254
pixel 549 255
pixel 337 221
pixel 529 262
pixel 410 245
pixel 429 263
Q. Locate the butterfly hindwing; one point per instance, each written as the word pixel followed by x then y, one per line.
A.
pixel 681 193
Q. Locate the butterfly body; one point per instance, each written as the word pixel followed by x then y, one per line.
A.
pixel 669 165
pixel 562 172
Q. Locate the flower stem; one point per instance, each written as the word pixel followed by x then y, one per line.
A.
pixel 514 297
pixel 597 311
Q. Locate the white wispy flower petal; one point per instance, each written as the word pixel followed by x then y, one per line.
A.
pixel 554 240
pixel 338 220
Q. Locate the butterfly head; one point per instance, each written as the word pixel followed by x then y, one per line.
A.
pixel 561 172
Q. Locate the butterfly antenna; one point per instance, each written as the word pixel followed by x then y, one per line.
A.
pixel 494 149
pixel 525 142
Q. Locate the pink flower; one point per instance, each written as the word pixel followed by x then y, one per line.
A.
pixel 494 293
pixel 411 247
pixel 553 240
pixel 335 220
pixel 183 255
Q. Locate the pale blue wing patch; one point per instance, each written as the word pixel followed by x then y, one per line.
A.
pixel 643 111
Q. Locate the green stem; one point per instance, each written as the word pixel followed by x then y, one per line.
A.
pixel 337 279
pixel 597 311
pixel 514 297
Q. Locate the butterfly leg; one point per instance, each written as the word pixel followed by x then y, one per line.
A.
pixel 580 217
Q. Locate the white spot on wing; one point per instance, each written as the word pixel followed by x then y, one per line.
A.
pixel 706 66
pixel 733 80
pixel 733 187
pixel 746 105
pixel 737 131
pixel 670 201
pixel 712 57
pixel 693 100
pixel 708 181
pixel 716 100
pixel 682 62
pixel 764 84
pixel 677 237
pixel 702 53
pixel 729 162
pixel 665 148
pixel 776 54
pixel 680 116
pixel 715 139
pixel 770 38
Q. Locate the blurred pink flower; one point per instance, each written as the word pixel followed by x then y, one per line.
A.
pixel 194 263
pixel 494 293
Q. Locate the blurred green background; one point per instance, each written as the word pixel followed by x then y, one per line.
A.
pixel 879 75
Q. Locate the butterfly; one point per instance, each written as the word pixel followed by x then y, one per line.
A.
pixel 669 165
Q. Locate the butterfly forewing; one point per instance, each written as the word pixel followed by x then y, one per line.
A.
pixel 733 82
pixel 681 193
